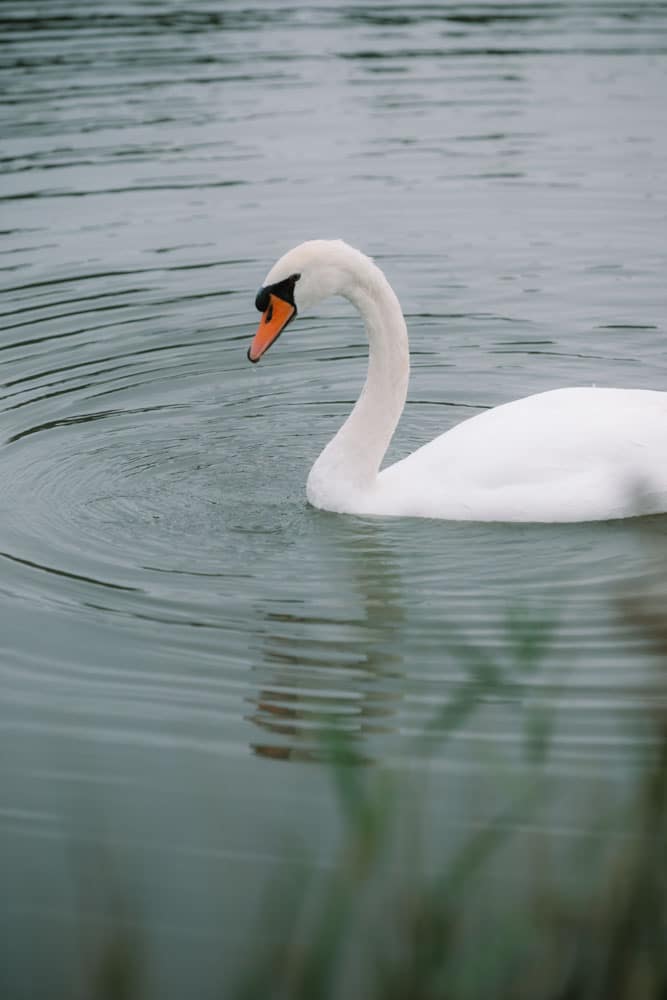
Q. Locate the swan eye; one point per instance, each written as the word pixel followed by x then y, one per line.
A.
pixel 282 289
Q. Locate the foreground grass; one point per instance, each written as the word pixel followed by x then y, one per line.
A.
pixel 382 924
pixel 377 926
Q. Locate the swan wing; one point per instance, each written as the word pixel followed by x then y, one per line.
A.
pixel 564 455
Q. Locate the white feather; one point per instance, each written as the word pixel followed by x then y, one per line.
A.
pixel 576 454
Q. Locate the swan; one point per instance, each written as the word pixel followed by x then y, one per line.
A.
pixel 565 455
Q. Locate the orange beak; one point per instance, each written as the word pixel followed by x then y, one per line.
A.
pixel 273 322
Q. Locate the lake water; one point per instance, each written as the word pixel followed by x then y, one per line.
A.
pixel 176 622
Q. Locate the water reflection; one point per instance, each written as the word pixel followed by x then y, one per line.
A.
pixel 330 669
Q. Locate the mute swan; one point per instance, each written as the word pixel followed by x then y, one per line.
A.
pixel 579 454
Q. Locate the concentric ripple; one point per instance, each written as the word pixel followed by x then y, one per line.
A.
pixel 151 477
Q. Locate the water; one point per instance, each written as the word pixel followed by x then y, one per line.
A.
pixel 175 620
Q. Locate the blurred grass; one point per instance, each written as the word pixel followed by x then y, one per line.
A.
pixel 439 934
pixel 384 923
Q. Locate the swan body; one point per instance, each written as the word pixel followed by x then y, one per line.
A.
pixel 574 454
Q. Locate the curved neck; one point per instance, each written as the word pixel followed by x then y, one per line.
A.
pixel 352 459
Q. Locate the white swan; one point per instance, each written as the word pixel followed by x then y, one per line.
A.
pixel 580 454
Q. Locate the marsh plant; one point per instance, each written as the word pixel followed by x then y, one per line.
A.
pixel 383 924
pixel 510 911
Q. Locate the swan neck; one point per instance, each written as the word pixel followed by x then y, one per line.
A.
pixel 351 461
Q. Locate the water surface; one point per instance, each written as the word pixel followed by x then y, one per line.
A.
pixel 176 622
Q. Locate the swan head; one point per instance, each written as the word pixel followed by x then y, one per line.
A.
pixel 301 278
